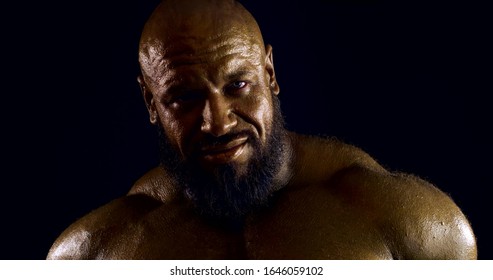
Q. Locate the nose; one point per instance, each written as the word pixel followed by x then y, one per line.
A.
pixel 218 119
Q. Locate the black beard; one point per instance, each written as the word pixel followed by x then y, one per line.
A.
pixel 225 196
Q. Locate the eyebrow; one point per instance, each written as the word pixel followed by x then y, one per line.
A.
pixel 239 74
pixel 180 85
pixel 177 88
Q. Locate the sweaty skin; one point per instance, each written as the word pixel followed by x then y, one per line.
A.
pixel 206 71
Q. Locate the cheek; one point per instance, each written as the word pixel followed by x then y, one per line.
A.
pixel 179 129
pixel 260 112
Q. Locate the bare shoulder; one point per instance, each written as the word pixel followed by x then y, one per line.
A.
pixel 319 158
pixel 82 239
pixel 156 184
pixel 416 219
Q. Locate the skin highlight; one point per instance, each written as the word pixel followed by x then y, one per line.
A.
pixel 209 84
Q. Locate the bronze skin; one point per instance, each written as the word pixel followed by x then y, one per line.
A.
pixel 224 195
pixel 209 84
pixel 214 107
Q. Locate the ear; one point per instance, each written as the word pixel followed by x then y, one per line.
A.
pixel 149 100
pixel 270 73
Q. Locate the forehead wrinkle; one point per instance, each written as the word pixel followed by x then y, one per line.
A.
pixel 229 57
pixel 229 68
pixel 200 22
pixel 210 49
pixel 160 60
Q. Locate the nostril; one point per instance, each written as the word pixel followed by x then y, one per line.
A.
pixel 219 125
pixel 217 117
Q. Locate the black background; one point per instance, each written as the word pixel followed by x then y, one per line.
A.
pixel 405 82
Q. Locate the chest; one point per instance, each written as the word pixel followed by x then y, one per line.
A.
pixel 316 228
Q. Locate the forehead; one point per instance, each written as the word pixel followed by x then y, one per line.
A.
pixel 222 53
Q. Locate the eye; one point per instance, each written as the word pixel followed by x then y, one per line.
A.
pixel 238 84
pixel 188 96
pixel 239 88
pixel 184 98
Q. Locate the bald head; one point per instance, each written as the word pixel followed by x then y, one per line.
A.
pixel 185 27
pixel 197 17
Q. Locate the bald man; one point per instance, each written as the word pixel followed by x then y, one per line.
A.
pixel 233 183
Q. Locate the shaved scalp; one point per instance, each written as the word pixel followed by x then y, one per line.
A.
pixel 176 25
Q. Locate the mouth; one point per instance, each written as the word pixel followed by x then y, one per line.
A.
pixel 225 152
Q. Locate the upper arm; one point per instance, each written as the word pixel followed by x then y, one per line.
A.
pixel 73 244
pixel 86 237
pixel 416 219
pixel 427 224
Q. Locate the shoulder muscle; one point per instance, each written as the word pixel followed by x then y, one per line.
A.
pixel 417 219
pixel 82 239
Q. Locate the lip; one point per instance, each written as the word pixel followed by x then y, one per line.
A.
pixel 224 153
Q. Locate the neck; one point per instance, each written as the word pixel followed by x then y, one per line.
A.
pixel 285 175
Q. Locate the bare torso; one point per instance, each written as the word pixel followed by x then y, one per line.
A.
pixel 340 204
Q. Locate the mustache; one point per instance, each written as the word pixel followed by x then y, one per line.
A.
pixel 212 141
